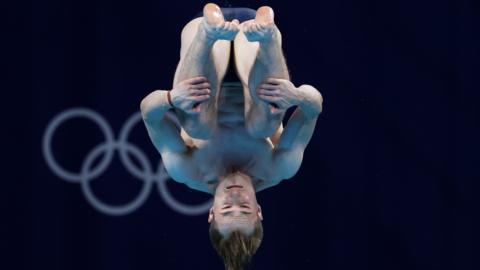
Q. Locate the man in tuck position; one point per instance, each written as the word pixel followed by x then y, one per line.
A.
pixel 230 93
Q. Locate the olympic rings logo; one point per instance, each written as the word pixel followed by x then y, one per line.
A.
pixel 88 173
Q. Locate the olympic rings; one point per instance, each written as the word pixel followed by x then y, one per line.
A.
pixel 108 147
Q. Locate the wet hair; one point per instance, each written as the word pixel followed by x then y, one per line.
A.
pixel 236 249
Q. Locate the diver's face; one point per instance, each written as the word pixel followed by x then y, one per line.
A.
pixel 235 205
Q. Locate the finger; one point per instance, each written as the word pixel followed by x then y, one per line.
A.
pixel 255 27
pixel 275 108
pixel 195 109
pixel 271 99
pixel 235 22
pixel 272 80
pixel 201 92
pixel 269 86
pixel 268 92
pixel 200 98
pixel 195 80
pixel 200 85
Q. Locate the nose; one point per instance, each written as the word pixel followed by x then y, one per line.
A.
pixel 236 195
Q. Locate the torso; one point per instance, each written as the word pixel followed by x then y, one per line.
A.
pixel 231 147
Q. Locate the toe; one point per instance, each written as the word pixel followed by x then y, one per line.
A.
pixel 234 26
pixel 246 26
pixel 226 26
pixel 221 26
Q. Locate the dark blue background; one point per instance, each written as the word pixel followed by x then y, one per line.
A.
pixel 387 182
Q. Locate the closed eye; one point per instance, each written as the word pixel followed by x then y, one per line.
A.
pixel 229 213
pixel 226 213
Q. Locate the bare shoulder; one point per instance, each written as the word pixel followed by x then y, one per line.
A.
pixel 182 168
pixel 287 162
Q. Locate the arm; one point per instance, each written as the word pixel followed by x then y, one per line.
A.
pixel 162 131
pixel 288 152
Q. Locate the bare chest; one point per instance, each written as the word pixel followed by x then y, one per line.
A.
pixel 233 149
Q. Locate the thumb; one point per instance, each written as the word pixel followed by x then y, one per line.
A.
pixel 196 108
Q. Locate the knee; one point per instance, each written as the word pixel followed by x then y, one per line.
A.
pixel 257 130
pixel 194 130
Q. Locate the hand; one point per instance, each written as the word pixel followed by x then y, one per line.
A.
pixel 281 94
pixel 188 94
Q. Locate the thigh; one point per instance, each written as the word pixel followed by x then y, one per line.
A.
pixel 245 53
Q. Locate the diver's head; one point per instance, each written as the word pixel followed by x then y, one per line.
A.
pixel 235 205
pixel 235 221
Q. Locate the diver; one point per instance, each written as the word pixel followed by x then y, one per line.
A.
pixel 230 93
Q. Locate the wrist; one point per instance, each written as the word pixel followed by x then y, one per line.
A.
pixel 299 94
pixel 169 99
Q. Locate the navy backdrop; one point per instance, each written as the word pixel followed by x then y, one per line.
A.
pixel 387 181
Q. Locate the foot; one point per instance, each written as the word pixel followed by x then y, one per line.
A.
pixel 214 25
pixel 263 28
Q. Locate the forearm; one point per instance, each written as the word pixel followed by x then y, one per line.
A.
pixel 161 130
pixel 156 104
pixel 300 126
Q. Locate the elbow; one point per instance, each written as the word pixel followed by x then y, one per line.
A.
pixel 143 105
pixel 320 102
pixel 146 107
pixel 292 170
pixel 316 98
